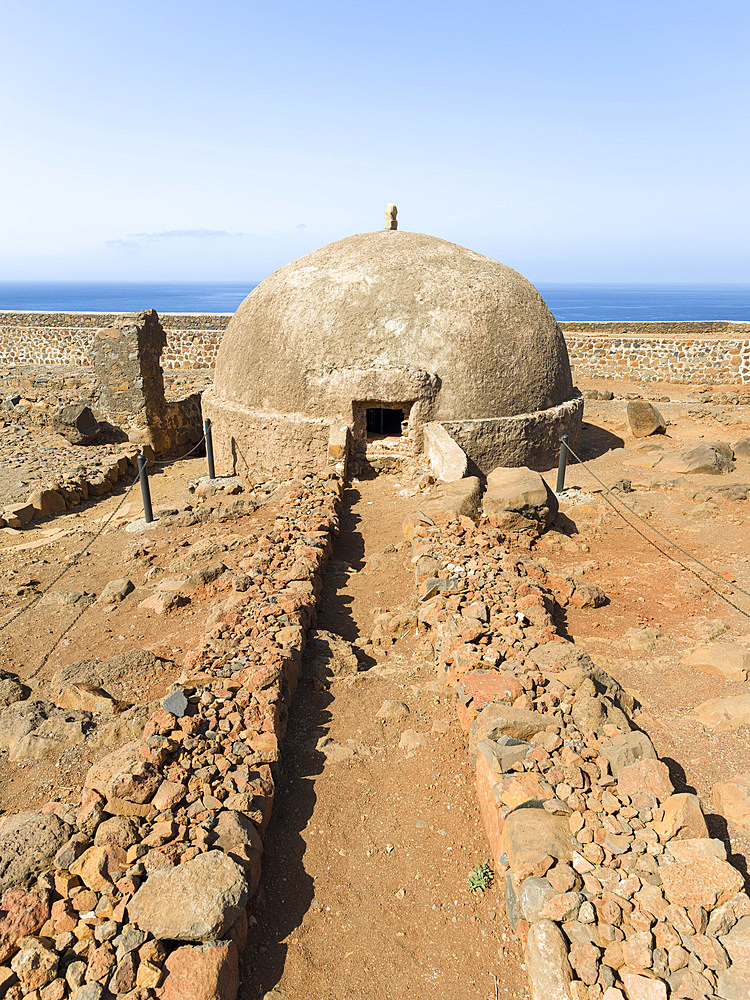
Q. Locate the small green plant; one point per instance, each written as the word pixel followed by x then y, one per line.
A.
pixel 480 878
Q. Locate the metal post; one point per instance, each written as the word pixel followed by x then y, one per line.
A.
pixel 209 449
pixel 145 491
pixel 563 464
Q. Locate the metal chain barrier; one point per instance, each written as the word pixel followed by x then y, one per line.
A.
pixel 734 587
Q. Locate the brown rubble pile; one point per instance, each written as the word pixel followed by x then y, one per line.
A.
pixel 141 890
pixel 611 878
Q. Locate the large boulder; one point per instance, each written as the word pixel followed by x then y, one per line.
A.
pixel 449 501
pixel 645 419
pixel 76 423
pixel 198 900
pixel 28 842
pixel 708 457
pixel 117 675
pixel 34 728
pixel 519 500
pixel 327 655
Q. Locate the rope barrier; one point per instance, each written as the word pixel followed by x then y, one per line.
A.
pixel 735 587
pixel 75 560
pixel 168 461
pixel 70 565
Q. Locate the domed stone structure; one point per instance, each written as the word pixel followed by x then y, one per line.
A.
pixel 391 331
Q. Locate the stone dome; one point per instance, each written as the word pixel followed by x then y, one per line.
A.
pixel 392 319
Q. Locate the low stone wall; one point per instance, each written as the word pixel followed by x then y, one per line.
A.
pixel 675 352
pixel 530 439
pixel 665 352
pixel 66 338
pixel 142 890
pixel 70 487
pixel 276 445
pixel 611 879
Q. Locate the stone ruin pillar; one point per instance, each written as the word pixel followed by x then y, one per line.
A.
pixel 390 217
pixel 126 360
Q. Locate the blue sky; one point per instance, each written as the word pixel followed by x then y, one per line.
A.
pixel 574 141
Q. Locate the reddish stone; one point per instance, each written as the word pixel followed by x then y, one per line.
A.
pixel 643 988
pixel 160 722
pixel 91 809
pixel 101 960
pixel 204 972
pixel 124 977
pixel 564 906
pixel 57 990
pixel 706 882
pixel 480 688
pixel 490 808
pixel 35 964
pixel 22 913
pixel 649 775
pixel 683 818
pixel 523 787
pixel 64 916
pixel 98 866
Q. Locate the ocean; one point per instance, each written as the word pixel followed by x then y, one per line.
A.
pixel 568 302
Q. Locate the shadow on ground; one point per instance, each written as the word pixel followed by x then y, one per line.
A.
pixel 596 441
pixel 286 890
pixel 334 606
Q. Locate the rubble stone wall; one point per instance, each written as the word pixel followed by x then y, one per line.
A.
pixel 677 352
pixel 142 890
pixel 611 878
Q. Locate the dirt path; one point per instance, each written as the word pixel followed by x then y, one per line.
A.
pixel 364 890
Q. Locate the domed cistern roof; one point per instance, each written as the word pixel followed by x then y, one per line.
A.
pixel 391 321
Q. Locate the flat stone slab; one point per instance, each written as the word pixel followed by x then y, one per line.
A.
pixel 199 900
pixel 724 714
pixel 732 800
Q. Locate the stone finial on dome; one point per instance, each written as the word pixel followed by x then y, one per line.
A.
pixel 390 217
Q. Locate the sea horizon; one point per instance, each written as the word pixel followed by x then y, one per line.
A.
pixel 568 301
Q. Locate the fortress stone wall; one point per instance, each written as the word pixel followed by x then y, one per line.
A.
pixel 667 352
pixel 66 338
pixel 675 352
